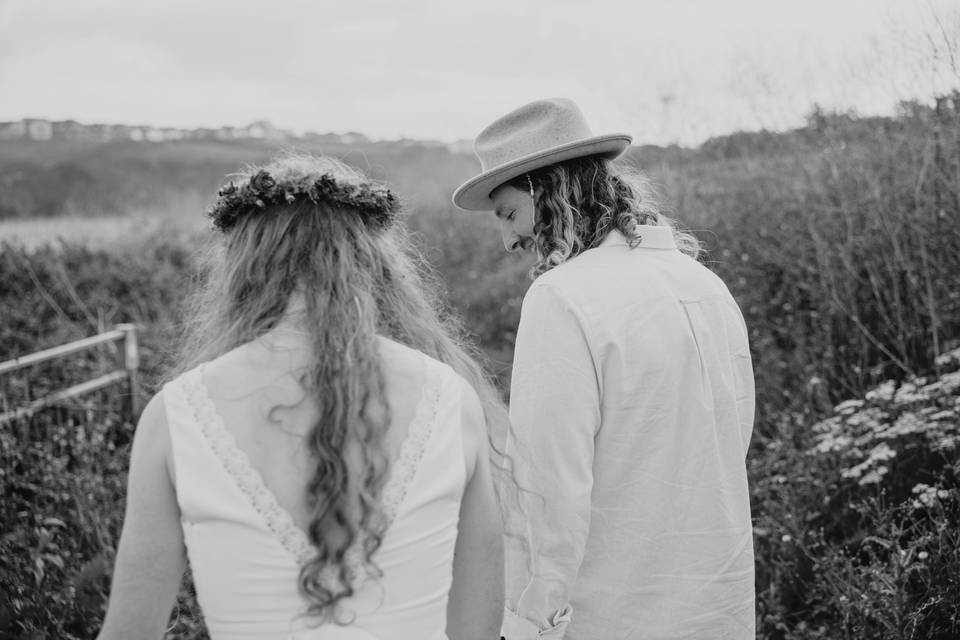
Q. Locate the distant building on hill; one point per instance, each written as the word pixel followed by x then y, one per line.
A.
pixel 171 134
pixel 230 133
pixel 101 132
pixel 354 137
pixel 413 142
pixel 263 130
pixel 13 130
pixel 38 129
pixel 323 138
pixel 203 134
pixel 67 130
pixel 461 146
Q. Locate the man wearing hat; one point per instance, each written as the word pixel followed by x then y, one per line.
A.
pixel 632 398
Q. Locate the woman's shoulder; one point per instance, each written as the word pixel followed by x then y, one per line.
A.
pixel 402 359
pixel 151 438
pixel 415 364
pixel 409 366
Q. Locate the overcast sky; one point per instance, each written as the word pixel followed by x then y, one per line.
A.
pixel 662 70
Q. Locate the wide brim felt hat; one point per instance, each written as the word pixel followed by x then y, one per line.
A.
pixel 536 135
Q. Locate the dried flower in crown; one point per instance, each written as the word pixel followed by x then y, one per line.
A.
pixel 376 205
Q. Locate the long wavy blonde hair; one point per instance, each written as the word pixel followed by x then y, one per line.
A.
pixel 578 202
pixel 359 281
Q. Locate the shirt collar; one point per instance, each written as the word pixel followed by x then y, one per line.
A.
pixel 652 237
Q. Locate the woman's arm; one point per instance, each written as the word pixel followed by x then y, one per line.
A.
pixel 475 608
pixel 150 558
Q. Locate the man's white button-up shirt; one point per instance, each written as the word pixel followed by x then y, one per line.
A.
pixel 632 403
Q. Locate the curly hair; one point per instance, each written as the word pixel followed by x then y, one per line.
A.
pixel 359 281
pixel 578 202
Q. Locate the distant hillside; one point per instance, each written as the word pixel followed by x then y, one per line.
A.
pixel 84 178
pixel 93 170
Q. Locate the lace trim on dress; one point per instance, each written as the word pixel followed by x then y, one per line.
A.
pixel 279 521
pixel 237 465
pixel 415 443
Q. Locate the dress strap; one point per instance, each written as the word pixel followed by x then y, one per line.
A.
pixel 418 435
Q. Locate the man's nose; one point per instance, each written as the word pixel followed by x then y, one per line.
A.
pixel 509 241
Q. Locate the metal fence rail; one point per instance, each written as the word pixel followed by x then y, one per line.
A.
pixel 127 333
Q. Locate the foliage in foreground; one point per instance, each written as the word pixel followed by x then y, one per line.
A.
pixel 63 473
pixel 857 533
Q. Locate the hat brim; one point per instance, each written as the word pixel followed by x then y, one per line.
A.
pixel 474 194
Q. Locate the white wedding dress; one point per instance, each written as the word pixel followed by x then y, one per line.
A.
pixel 246 550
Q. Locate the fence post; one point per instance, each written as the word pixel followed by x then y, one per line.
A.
pixel 131 362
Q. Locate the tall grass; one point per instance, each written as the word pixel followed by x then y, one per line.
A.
pixel 841 244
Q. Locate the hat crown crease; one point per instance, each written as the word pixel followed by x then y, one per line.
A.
pixel 527 130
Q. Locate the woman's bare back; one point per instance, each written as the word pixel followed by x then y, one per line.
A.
pixel 258 392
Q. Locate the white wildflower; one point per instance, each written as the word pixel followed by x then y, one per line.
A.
pixel 928 496
pixel 950 382
pixel 847 407
pixel 869 471
pixel 910 392
pixel 874 476
pixel 933 388
pixel 948 358
pixel 833 442
pixel 828 425
pixel 872 418
pixel 906 424
pixel 946 442
pixel 884 391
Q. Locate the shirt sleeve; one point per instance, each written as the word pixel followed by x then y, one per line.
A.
pixel 744 381
pixel 555 412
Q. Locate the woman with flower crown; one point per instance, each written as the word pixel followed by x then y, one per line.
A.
pixel 321 456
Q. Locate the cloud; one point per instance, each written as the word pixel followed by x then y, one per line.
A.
pixel 667 70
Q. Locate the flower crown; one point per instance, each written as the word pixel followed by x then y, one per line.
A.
pixel 377 206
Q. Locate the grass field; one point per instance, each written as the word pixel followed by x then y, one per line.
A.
pixel 840 242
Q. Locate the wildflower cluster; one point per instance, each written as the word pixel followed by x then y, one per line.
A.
pixel 917 420
pixel 856 521
pixel 377 205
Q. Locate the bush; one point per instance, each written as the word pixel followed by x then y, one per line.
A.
pixel 63 472
pixel 841 246
pixel 857 526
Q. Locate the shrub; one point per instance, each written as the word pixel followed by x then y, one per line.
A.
pixel 63 472
pixel 858 528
